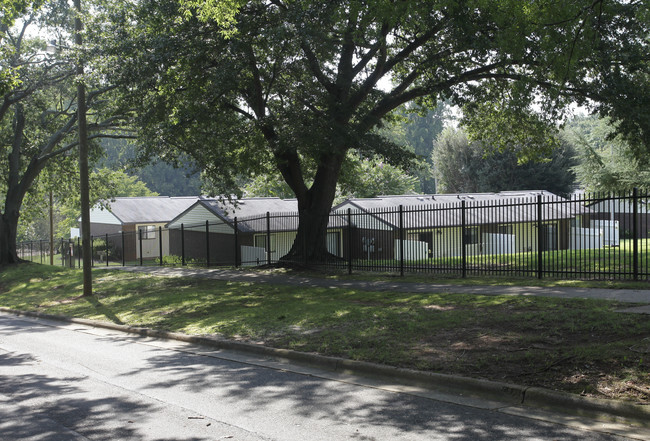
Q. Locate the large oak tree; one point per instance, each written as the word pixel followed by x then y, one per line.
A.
pixel 299 83
pixel 38 118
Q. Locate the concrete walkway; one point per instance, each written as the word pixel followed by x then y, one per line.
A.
pixel 620 295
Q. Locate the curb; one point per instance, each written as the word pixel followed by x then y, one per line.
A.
pixel 507 393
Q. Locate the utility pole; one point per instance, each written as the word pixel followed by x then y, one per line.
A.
pixel 84 185
pixel 51 229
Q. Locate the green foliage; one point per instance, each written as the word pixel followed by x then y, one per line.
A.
pixel 416 129
pixel 503 128
pixel 9 11
pixel 175 260
pixel 38 125
pixel 293 86
pixel 222 12
pixel 360 177
pixel 263 185
pixel 239 105
pixel 178 178
pixel 373 177
pixel 607 161
pixel 462 166
pixel 105 184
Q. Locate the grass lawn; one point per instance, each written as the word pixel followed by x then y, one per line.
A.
pixel 580 346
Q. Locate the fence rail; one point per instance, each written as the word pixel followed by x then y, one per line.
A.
pixel 586 237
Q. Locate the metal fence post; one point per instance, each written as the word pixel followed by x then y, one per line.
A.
pixel 140 245
pixel 237 263
pixel 40 250
pixel 106 249
pixel 78 252
pixel 182 245
pixel 540 237
pixel 160 246
pixel 463 218
pixel 123 250
pixel 62 254
pixel 92 250
pixel 401 240
pixel 349 241
pixel 268 238
pixel 635 233
pixel 207 243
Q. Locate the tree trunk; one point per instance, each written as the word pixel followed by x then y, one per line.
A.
pixel 314 206
pixel 8 234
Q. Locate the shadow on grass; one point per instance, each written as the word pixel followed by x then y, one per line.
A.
pixel 102 309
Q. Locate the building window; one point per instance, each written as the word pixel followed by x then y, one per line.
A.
pixel 471 236
pixel 259 241
pixel 415 237
pixel 147 232
pixel 505 229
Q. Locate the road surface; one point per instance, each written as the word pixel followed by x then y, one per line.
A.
pixel 61 381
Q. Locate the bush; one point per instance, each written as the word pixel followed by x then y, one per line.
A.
pixel 174 260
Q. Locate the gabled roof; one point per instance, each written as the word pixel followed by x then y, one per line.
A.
pixel 250 213
pixel 248 207
pixel 445 209
pixel 148 209
pixel 417 200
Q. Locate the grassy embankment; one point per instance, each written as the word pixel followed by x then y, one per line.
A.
pixel 580 346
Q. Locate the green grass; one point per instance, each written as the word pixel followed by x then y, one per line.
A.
pixel 606 267
pixel 606 260
pixel 567 344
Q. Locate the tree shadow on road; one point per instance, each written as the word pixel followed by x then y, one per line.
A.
pixel 43 407
pixel 333 407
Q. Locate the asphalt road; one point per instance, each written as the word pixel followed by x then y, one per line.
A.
pixel 71 382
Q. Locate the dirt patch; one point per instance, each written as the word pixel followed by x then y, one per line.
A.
pixel 438 308
pixel 604 361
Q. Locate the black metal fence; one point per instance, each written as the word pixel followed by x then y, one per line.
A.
pixel 586 237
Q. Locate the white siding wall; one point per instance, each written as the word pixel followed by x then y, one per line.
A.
pixel 194 220
pixel 103 216
pixel 413 250
pixel 151 247
pixel 362 220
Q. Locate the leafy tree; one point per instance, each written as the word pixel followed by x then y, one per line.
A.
pixel 606 160
pixel 361 178
pixel 468 167
pixel 105 185
pixel 373 177
pixel 9 11
pixel 421 130
pixel 38 121
pixel 298 84
pixel 457 162
pixel 621 81
pixel 180 178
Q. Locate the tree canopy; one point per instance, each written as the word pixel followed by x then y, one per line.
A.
pixel 462 166
pixel 298 84
pixel 38 118
pixel 608 162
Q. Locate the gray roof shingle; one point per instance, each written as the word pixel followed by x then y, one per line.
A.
pixel 149 208
pixel 481 208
